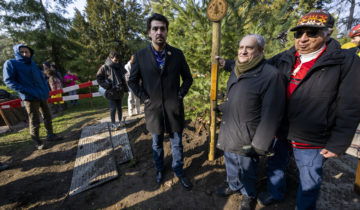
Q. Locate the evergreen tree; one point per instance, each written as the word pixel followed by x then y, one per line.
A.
pixel 191 31
pixel 114 25
pixel 6 52
pixel 40 25
pixel 106 25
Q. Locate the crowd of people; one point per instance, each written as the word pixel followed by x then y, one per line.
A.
pixel 303 102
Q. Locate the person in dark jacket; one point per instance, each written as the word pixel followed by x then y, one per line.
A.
pixel 253 109
pixel 24 76
pixel 111 75
pixel 323 98
pixel 160 67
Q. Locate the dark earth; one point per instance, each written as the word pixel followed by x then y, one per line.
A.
pixel 41 179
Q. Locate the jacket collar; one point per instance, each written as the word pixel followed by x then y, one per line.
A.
pixel 254 72
pixel 332 55
pixel 168 55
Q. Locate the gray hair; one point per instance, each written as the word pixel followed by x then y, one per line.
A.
pixel 259 39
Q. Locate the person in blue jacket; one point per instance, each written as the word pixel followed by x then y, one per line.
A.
pixel 24 76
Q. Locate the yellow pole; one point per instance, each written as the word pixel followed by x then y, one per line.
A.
pixel 214 83
pixel 357 179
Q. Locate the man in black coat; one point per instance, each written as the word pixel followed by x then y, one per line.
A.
pixel 159 66
pixel 323 108
pixel 252 112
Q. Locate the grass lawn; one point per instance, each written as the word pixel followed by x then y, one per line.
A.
pixel 72 120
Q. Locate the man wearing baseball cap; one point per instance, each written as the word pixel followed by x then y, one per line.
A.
pixel 323 108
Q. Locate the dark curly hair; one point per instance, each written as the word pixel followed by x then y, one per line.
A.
pixel 158 17
pixel 114 54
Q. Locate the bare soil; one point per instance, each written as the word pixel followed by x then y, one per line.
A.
pixel 41 179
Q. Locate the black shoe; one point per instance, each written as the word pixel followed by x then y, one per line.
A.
pixel 225 191
pixel 3 166
pixel 185 182
pixel 159 176
pixel 265 198
pixel 53 137
pixel 246 203
pixel 39 145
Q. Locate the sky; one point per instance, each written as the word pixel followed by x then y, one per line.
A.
pixel 77 4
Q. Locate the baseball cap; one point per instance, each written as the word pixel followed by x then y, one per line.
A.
pixel 315 19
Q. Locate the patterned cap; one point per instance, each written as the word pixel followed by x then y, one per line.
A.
pixel 315 19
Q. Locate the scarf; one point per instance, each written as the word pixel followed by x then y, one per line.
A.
pixel 160 58
pixel 240 68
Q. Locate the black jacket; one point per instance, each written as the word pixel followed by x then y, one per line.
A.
pixel 324 109
pixel 253 109
pixel 104 77
pixel 165 111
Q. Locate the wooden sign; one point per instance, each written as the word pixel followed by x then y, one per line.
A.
pixel 216 10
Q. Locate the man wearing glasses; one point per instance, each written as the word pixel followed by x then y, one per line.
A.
pixel 323 108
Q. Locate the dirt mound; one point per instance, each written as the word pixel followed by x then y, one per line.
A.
pixel 41 179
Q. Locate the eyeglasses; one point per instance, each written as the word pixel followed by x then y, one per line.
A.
pixel 310 33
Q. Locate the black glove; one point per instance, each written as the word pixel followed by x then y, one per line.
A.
pixel 251 151
pixel 147 101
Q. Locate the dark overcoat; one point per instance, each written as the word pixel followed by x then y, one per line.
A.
pixel 165 110
pixel 254 107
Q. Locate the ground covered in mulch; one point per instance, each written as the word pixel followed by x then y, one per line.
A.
pixel 41 179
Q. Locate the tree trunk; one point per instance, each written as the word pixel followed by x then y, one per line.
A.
pixel 54 47
pixel 351 15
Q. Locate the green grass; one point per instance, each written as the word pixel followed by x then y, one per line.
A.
pixel 73 119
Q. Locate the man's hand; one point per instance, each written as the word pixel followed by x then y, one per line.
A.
pixel 251 151
pixel 221 61
pixel 147 101
pixel 328 154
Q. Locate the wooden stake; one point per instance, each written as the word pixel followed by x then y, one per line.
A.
pixel 215 51
pixel 5 119
pixel 357 179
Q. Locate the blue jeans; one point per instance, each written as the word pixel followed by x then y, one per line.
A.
pixel 241 173
pixel 309 163
pixel 115 105
pixel 176 150
pixel 73 92
pixel 276 169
